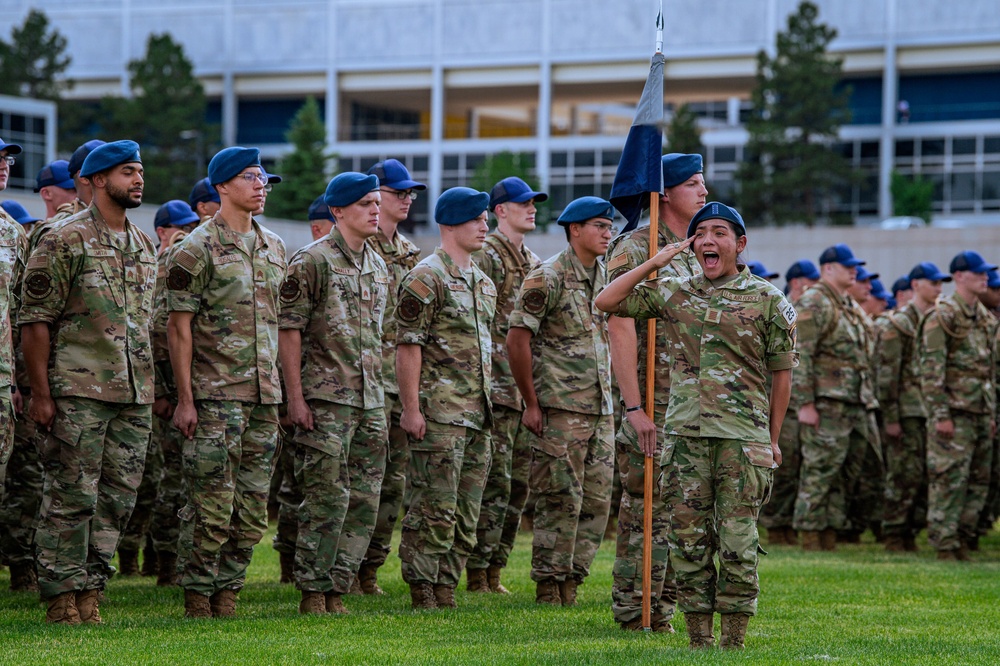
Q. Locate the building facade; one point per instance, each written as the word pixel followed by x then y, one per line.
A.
pixel 441 84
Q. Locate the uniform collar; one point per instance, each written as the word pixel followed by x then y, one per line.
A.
pixel 110 238
pixel 229 237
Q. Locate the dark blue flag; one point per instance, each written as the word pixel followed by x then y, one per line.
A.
pixel 640 170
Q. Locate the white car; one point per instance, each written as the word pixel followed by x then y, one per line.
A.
pixel 902 222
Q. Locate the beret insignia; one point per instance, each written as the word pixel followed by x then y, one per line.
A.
pixel 38 285
pixel 178 279
pixel 409 309
pixel 534 301
pixel 290 289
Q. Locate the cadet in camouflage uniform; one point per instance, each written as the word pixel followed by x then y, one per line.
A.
pixel 506 261
pixel 289 492
pixel 991 511
pixel 777 514
pixel 728 332
pixel 445 309
pixel 957 371
pixel 904 416
pixel 834 385
pixel 84 193
pixel 683 195
pixel 559 356
pixel 400 256
pixel 55 186
pixel 85 319
pixel 223 282
pixel 332 304
pixel 19 493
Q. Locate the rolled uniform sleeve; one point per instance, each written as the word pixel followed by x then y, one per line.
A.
pixel 47 279
pixel 415 309
pixel 780 353
pixel 187 278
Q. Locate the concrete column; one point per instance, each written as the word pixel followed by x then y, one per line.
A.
pixel 332 81
pixel 890 90
pixel 543 124
pixel 436 157
pixel 229 115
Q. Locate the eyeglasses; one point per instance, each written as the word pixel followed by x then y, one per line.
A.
pixel 602 227
pixel 267 188
pixel 249 177
pixel 402 195
pixel 9 160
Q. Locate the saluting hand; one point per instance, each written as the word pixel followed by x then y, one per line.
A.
pixel 671 250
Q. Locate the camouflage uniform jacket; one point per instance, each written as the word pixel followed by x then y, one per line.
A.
pixel 625 253
pixel 95 291
pixel 570 355
pixel 834 350
pixel 400 256
pixel 13 253
pixel 725 342
pixel 958 358
pixel 507 267
pixel 165 385
pixel 899 394
pixel 338 306
pixel 234 296
pixel 448 313
pixel 63 213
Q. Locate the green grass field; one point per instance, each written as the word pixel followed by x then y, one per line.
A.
pixel 854 606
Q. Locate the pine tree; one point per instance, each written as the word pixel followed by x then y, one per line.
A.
pixel 683 135
pixel 32 62
pixel 791 170
pixel 305 170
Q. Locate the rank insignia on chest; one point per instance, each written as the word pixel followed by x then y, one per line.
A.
pixel 713 316
pixel 366 293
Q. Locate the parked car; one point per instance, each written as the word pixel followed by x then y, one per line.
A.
pixel 902 222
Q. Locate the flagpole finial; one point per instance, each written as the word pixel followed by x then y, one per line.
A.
pixel 659 29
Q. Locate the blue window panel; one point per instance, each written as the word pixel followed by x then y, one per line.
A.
pixel 865 100
pixel 267 121
pixel 940 97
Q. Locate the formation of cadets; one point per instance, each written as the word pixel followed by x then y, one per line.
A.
pixel 157 396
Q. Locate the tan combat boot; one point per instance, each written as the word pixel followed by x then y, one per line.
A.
pixel 167 574
pixel 223 603
pixel 493 577
pixel 734 630
pixel 422 596
pixel 149 562
pixel 476 580
pixel 567 591
pixel 810 541
pixel 313 603
pixel 355 588
pixel 335 605
pixel 287 561
pixel 62 609
pixel 699 628
pixel 86 606
pixel 196 605
pixel 444 596
pixel 547 592
pixel 23 577
pixel 128 562
pixel 828 539
pixel 368 574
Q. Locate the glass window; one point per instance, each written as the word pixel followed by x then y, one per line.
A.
pixel 583 158
pixel 991 185
pixel 611 157
pixel 451 162
pixel 726 154
pixel 932 148
pixel 963 187
pixel 869 150
pixel 904 148
pixel 559 160
pixel 420 163
pixel 963 146
pixel 991 144
pixel 473 160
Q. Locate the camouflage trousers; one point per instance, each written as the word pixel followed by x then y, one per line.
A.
pixel 22 495
pixel 338 469
pixel 958 478
pixel 393 485
pixel 7 420
pixel 906 479
pixel 134 535
pixel 714 489
pixel 289 496
pixel 571 471
pixel 991 511
pixel 93 459
pixel 833 455
pixel 780 510
pixel 626 588
pixel 866 493
pixel 171 494
pixel 520 469
pixel 447 471
pixel 227 467
pixel 496 494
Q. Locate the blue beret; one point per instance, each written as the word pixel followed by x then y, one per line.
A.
pixel 175 213
pixel 318 210
pixel 202 192
pixel 56 173
pixel 18 212
pixel 348 187
pixel 714 210
pixel 229 162
pixel 514 189
pixel 586 208
pixel 80 154
pixel 392 173
pixel 459 205
pixel 110 155
pixel 678 167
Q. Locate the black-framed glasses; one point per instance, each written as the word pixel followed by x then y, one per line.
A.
pixel 402 195
pixel 9 160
